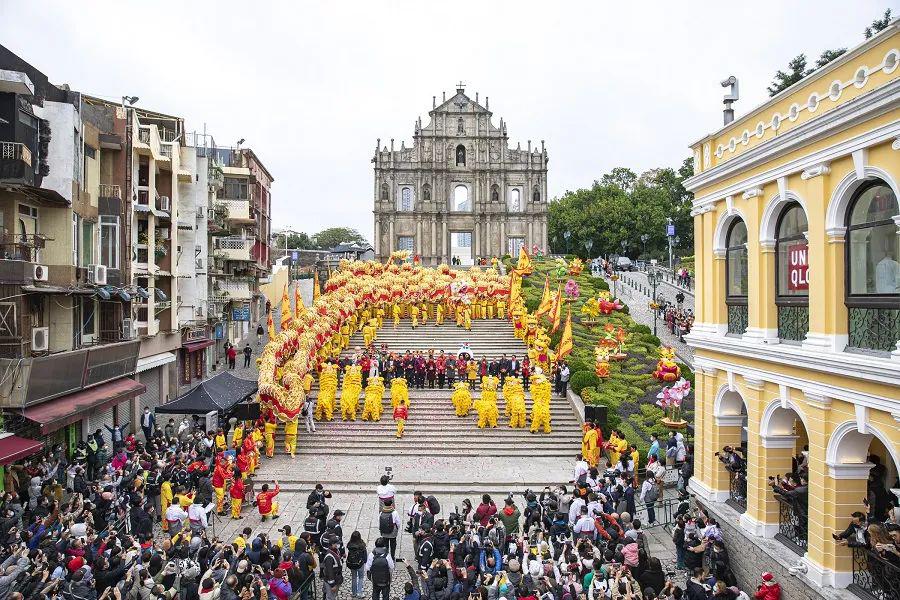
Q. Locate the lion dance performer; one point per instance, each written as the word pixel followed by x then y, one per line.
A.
pixel 327 391
pixel 487 404
pixel 462 399
pixel 399 391
pixel 270 426
pixel 290 436
pixel 372 407
pixel 350 392
pixel 401 413
pixel 515 402
pixel 540 404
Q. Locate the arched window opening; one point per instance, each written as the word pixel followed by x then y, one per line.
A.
pixel 384 191
pixel 873 268
pixel 515 200
pixel 461 199
pixel 536 194
pixel 495 193
pixel 736 277
pixel 426 192
pixel 792 273
pixel 460 156
pixel 406 203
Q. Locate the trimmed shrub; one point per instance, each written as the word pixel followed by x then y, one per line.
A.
pixel 640 328
pixel 583 379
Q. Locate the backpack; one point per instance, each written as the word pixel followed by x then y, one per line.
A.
pixel 356 557
pixel 379 572
pixel 652 494
pixel 386 524
pixel 433 506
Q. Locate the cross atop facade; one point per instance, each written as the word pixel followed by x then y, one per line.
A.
pixel 460 87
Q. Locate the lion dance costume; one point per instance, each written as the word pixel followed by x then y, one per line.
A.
pixel 399 391
pixel 514 396
pixel 327 390
pixel 540 404
pixel 350 392
pixel 401 413
pixel 487 404
pixel 462 399
pixel 372 407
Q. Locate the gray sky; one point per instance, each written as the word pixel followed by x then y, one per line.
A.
pixel 311 85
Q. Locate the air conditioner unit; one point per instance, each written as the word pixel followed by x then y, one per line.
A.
pixel 129 330
pixel 40 273
pixel 164 203
pixel 40 339
pixel 97 274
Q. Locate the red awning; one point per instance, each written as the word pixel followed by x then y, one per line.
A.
pixel 194 346
pixel 59 412
pixel 13 448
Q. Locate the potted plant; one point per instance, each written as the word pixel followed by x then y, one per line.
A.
pixel 670 399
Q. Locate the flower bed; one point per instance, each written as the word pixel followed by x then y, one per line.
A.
pixel 630 391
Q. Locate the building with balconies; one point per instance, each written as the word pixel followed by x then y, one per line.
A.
pixel 64 300
pixel 797 334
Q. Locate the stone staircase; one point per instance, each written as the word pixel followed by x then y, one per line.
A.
pixel 434 434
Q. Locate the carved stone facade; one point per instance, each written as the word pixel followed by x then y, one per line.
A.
pixel 459 191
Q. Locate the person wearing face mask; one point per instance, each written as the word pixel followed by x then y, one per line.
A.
pixel 148 423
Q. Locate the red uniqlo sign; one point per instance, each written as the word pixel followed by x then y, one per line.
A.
pixel 798 267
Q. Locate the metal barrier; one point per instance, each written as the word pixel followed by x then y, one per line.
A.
pixel 737 491
pixel 792 525
pixel 873 577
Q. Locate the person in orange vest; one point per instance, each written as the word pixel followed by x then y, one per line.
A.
pixel 237 497
pixel 401 413
pixel 219 478
pixel 265 501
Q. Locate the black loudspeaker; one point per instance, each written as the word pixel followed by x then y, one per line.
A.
pixel 596 414
pixel 246 411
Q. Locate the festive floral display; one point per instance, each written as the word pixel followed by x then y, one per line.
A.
pixel 572 290
pixel 666 369
pixel 576 267
pixel 670 399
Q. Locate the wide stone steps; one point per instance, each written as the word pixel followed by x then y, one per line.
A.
pixel 488 338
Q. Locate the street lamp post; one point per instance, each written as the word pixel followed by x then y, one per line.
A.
pixel 624 245
pixel 670 233
pixel 588 245
pixel 644 238
pixel 567 235
pixel 653 278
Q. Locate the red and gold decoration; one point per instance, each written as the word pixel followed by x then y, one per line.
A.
pixel 666 369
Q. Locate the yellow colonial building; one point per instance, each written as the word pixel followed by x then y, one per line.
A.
pixel 797 230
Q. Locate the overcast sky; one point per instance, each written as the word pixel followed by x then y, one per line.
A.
pixel 311 85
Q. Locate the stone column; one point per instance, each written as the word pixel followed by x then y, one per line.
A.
pixel 529 237
pixel 418 245
pixel 391 235
pixel 435 256
pixel 826 286
pixel 443 253
pixel 377 235
pixel 476 242
pixel 501 250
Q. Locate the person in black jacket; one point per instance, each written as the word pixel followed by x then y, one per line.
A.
pixel 332 568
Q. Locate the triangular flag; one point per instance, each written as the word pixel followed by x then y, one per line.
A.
pixel 546 300
pixel 515 289
pixel 298 302
pixel 524 267
pixel 285 310
pixel 565 342
pixel 556 312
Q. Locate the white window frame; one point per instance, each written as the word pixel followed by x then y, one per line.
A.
pixel 402 245
pixel 76 238
pixel 109 222
pixel 406 194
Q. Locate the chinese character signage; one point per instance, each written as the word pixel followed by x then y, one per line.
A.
pixel 241 313
pixel 798 267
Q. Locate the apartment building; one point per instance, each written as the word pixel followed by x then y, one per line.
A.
pixel 68 356
pixel 239 226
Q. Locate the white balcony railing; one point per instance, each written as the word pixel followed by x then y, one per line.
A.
pixel 237 290
pixel 166 150
pixel 15 151
pixel 110 191
pixel 237 209
pixel 233 248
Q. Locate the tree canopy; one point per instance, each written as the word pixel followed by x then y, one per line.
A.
pixel 623 206
pixel 324 240
pixel 878 24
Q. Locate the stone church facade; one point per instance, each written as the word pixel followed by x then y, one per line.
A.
pixel 460 192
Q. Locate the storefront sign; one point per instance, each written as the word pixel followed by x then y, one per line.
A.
pixel 241 313
pixel 220 331
pixel 798 267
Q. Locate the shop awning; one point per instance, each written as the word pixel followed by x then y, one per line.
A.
pixel 198 345
pixel 13 448
pixel 218 393
pixel 65 410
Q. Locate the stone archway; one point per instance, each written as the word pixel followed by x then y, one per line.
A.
pixel 730 414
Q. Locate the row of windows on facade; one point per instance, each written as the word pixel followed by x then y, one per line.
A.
pixel 460 200
pixel 872 267
pixel 461 243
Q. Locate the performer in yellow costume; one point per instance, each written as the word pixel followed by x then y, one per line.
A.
pixel 350 391
pixel 290 436
pixel 379 315
pixel 514 396
pixel 501 309
pixel 467 318
pixel 424 312
pixel 414 315
pixel 487 404
pixel 616 446
pixel 395 311
pixel 540 404
pixel 327 391
pixel 589 449
pixel 369 332
pixel 399 391
pixel 237 437
pixel 459 315
pixel 439 315
pixel 372 407
pixel 165 499
pixel 270 426
pixel 462 399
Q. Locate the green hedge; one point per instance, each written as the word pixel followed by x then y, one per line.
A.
pixel 583 379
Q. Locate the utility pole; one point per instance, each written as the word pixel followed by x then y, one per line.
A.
pixel 670 233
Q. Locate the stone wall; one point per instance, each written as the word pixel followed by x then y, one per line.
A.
pixel 751 556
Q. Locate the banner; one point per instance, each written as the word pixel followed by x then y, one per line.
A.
pixel 798 267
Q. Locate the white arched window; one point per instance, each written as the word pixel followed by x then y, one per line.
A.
pixel 792 273
pixel 515 200
pixel 406 202
pixel 461 199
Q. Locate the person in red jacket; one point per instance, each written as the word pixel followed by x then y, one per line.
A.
pixel 243 464
pixel 769 589
pixel 219 478
pixel 237 497
pixel 401 413
pixel 265 501
pixel 485 511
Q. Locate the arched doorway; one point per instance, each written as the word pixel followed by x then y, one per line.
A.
pixel 730 413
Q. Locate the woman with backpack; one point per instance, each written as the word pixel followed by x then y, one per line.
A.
pixel 356 562
pixel 649 496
